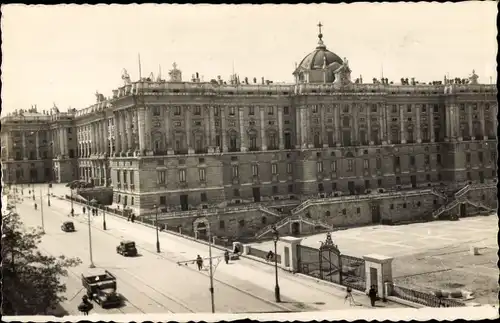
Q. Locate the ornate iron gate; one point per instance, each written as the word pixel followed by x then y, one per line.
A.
pixel 327 263
pixel 323 263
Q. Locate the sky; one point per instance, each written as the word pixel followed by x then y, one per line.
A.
pixel 63 54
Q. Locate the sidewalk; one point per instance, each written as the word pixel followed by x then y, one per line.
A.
pixel 245 274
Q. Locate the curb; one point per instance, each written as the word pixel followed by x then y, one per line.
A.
pixel 249 257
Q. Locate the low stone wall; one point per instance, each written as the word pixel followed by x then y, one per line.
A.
pixel 102 194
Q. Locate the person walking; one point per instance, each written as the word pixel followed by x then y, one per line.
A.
pixel 199 262
pixel 226 257
pixel 372 294
pixel 83 209
pixel 349 297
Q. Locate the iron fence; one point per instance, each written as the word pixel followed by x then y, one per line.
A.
pixel 353 272
pixel 422 298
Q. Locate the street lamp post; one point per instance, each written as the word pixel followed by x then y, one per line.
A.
pixel 41 210
pixel 156 225
pixel 92 202
pixel 48 194
pixel 103 219
pixel 276 287
pixel 212 297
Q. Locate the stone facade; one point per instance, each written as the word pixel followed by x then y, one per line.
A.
pixel 191 145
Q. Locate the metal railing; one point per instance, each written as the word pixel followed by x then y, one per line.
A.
pixel 270 227
pixel 462 191
pixel 422 298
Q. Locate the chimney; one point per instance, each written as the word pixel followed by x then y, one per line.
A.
pixel 263 80
pixel 197 76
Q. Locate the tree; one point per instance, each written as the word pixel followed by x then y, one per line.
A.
pixel 31 280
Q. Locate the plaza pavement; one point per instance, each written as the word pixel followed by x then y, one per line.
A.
pixel 241 286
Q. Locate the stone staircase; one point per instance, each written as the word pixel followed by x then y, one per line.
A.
pixel 439 194
pixel 262 232
pixel 444 208
pixel 269 211
pixel 480 205
pixel 316 223
pixel 462 191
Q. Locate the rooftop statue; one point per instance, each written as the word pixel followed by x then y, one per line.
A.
pixel 126 77
pixel 473 78
pixel 99 97
pixel 55 109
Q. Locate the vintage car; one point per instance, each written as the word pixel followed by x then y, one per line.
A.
pixel 126 248
pixel 68 226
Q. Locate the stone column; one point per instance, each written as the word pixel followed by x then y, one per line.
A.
pixel 25 155
pixel 298 122
pixel 123 131
pixel 369 124
pixel 469 119
pixel 263 138
pixel 208 123
pixel 243 135
pixel 402 125
pixel 280 128
pixel 431 123
pixel 383 134
pixel 336 120
pixel 419 132
pixel 61 141
pixel 98 134
pixel 187 120
pixel 481 119
pixel 309 143
pixel 355 131
pixel 37 145
pixel 212 125
pixel 107 145
pixel 224 128
pixel 303 127
pixel 141 123
pixel 129 122
pixel 147 133
pixel 166 120
pixel 116 133
pixel 105 175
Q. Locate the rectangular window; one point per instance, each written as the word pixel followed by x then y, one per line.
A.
pixel 236 192
pixel 427 159
pixel 125 177
pixel 274 169
pixel 286 110
pixel 236 171
pixel 163 200
pixel 290 188
pixel 203 197
pixel 162 177
pixel 255 170
pixel 366 164
pixel 156 111
pixel 350 165
pixel 397 162
pixel 182 175
pixel 334 166
pixel 480 156
pixel 251 111
pixel 177 111
pixel 216 111
pixel 334 186
pixel 232 111
pixel 202 174
pixel 378 163
pixel 438 159
pixel 270 110
pixel 222 225
pixel 379 183
pixel 319 167
pixel 289 168
pixel 467 157
pixel 412 160
pixel 197 110
pixel 275 189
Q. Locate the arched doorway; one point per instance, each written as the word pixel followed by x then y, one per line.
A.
pixel 200 227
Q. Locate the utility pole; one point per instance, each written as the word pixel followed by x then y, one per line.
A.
pixel 41 209
pixel 210 263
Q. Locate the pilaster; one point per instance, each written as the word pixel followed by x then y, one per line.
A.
pixel 37 145
pixel 431 124
pixel 142 130
pixel 419 132
pixel 243 134
pixel 129 122
pixel 223 129
pixel 263 138
pixel 402 124
pixel 469 119
pixel 23 136
pixel 280 128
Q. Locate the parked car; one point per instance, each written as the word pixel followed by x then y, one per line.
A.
pixel 127 248
pixel 68 226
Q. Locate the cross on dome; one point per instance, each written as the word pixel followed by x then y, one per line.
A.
pixel 320 35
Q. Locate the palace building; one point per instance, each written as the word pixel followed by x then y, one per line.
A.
pixel 325 151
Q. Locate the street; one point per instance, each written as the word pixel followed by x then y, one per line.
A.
pixel 152 283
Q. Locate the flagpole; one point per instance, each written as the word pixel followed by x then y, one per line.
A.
pixel 140 71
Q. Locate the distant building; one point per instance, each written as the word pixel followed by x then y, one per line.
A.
pixel 325 151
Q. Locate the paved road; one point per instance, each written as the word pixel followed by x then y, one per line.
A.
pixel 156 283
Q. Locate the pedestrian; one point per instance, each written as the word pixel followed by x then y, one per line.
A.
pixel 372 293
pixel 349 297
pixel 269 256
pixel 83 208
pixel 199 262
pixel 132 218
pixel 36 206
pixel 72 212
pixel 226 257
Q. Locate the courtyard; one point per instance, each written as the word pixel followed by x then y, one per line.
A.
pixel 428 256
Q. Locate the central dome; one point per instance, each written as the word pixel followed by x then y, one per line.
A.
pixel 319 58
